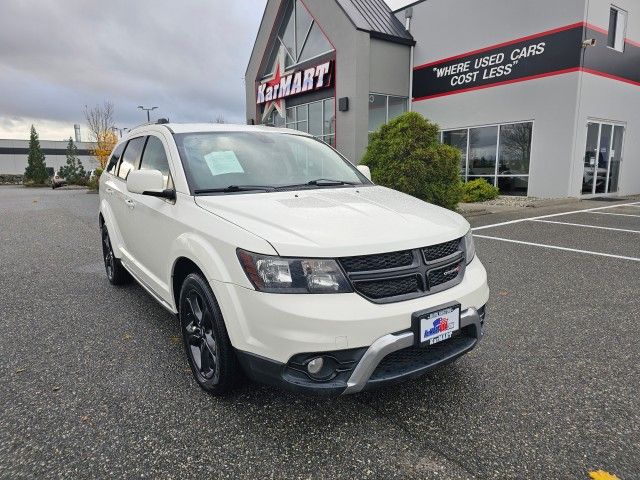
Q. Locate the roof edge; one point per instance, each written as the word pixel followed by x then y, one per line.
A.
pixel 390 38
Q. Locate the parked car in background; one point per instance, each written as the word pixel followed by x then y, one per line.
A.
pixel 57 181
pixel 284 261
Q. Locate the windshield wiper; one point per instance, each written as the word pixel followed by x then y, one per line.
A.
pixel 234 188
pixel 319 182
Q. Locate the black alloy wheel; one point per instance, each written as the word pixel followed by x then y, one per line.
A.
pixel 116 273
pixel 206 342
pixel 199 337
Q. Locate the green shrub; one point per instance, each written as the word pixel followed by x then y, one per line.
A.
pixel 94 183
pixel 73 171
pixel 479 190
pixel 406 155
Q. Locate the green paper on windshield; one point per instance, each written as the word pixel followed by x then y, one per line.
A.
pixel 223 162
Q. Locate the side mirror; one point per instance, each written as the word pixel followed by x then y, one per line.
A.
pixel 363 169
pixel 148 182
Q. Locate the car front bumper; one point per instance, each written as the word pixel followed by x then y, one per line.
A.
pixel 391 358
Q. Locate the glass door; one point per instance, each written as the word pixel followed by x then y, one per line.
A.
pixel 616 158
pixel 603 154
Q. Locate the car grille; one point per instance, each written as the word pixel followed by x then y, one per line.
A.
pixel 383 261
pixel 395 276
pixel 436 252
pixel 441 275
pixel 389 287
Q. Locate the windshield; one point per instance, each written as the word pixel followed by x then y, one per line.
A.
pixel 219 160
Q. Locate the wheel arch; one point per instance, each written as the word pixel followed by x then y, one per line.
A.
pixel 182 267
pixel 106 218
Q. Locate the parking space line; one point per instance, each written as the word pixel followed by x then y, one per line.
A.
pixel 618 214
pixel 586 210
pixel 587 226
pixel 556 247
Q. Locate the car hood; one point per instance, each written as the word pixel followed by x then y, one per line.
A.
pixel 336 222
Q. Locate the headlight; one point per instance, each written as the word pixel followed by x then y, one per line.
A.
pixel 293 275
pixel 469 246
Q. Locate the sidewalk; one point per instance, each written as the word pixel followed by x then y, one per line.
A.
pixel 510 204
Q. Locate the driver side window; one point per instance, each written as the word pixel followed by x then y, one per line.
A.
pixel 154 157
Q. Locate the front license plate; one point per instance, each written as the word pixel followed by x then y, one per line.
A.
pixel 440 325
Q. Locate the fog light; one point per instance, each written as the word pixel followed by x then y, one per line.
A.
pixel 315 365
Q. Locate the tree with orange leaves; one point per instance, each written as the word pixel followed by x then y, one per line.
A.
pixel 101 125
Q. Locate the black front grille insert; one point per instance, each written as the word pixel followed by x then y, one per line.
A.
pixel 435 252
pixel 389 287
pixel 441 275
pixel 420 358
pixel 383 261
pixel 396 276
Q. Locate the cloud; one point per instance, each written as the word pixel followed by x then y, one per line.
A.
pixel 187 57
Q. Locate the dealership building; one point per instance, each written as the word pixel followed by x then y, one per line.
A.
pixel 542 98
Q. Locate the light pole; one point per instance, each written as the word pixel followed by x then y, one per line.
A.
pixel 147 109
pixel 120 130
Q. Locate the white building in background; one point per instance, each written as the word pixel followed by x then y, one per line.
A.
pixel 14 154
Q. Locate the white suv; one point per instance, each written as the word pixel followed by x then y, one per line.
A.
pixel 285 262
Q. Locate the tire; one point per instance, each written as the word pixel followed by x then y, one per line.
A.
pixel 206 342
pixel 116 273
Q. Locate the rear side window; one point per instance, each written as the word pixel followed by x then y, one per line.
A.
pixel 130 156
pixel 155 158
pixel 115 156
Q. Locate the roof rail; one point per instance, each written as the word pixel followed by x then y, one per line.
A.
pixel 160 121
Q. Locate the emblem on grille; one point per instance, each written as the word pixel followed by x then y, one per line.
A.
pixel 453 271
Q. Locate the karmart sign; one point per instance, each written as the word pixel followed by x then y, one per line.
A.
pixel 283 84
pixel 288 84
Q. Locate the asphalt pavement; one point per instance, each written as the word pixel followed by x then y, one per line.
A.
pixel 95 383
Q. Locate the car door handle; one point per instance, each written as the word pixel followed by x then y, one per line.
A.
pixel 109 191
pixel 130 203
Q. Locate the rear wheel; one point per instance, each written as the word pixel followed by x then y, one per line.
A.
pixel 116 273
pixel 206 341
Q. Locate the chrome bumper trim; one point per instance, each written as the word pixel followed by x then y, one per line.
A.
pixel 390 343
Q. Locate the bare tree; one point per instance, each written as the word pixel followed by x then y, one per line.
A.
pixel 99 119
pixel 101 125
pixel 515 142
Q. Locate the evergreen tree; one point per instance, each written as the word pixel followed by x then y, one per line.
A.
pixel 73 171
pixel 36 170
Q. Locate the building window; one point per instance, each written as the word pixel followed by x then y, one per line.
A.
pixel 458 139
pixel 299 36
pixel 501 154
pixel 316 118
pixel 617 28
pixel 383 108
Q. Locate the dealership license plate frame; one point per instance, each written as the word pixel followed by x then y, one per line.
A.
pixel 418 322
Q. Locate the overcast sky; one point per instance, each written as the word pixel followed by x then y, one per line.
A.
pixel 187 57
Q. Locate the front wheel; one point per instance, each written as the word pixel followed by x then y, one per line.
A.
pixel 116 273
pixel 206 341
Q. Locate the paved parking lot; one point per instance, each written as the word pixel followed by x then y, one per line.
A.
pixel 95 383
